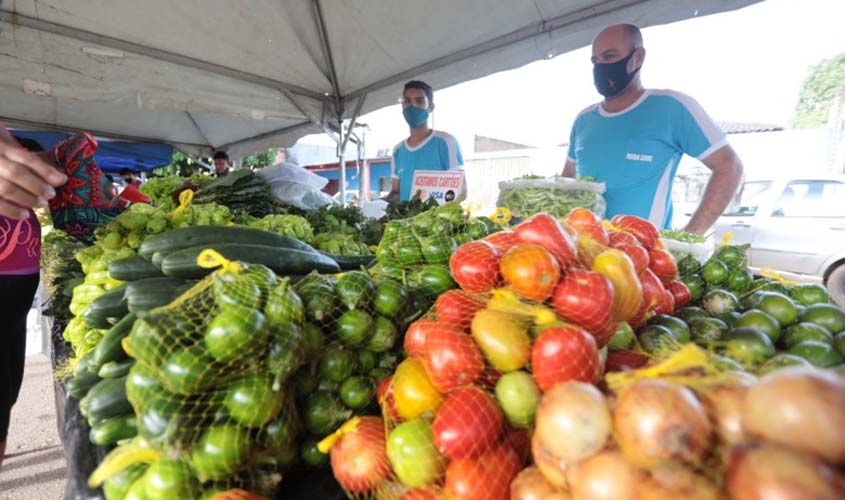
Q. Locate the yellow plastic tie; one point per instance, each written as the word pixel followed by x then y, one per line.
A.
pixel 210 258
pixel 121 458
pixel 326 444
pixel 609 226
pixel 502 216
pixel 726 239
pixel 185 199
pixel 768 272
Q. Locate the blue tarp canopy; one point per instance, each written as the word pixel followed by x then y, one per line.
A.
pixel 112 155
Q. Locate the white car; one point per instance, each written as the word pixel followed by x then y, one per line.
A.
pixel 795 226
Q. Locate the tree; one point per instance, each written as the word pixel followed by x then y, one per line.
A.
pixel 261 160
pixel 824 82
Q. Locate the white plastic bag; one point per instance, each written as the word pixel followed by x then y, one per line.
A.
pixel 554 195
pixel 291 172
pixel 301 196
pixel 700 251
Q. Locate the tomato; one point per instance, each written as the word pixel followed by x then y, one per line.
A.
pixel 622 361
pixel 235 494
pixel 486 477
pixel 580 217
pixel 475 266
pixel 639 256
pixel 503 241
pixel 680 292
pixel 222 450
pixel 585 298
pixel 457 307
pixel 520 440
pixel 452 359
pixel 358 457
pixel 413 391
pixel 234 333
pixel 384 396
pixel 356 392
pixel 518 394
pixel 663 264
pixel 564 353
pixel 544 230
pixel 642 229
pixel 658 300
pixel 467 423
pixel 503 339
pixel 251 400
pixel 423 494
pixel 414 343
pixel 619 238
pixel 412 454
pixel 168 479
pixel 390 299
pixel 530 271
pixel 627 290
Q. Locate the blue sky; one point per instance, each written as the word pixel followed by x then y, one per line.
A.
pixel 744 65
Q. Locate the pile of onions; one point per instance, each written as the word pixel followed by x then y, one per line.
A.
pixel 605 476
pixel 530 484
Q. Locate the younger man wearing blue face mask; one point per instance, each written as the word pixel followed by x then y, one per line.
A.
pixel 425 148
pixel 634 139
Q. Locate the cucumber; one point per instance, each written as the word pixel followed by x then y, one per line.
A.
pixel 109 348
pixel 109 306
pixel 116 369
pixel 85 365
pixel 283 261
pixel 146 294
pixel 157 258
pixel 107 399
pixel 133 268
pixel 112 430
pixel 78 386
pixel 197 236
pixel 352 262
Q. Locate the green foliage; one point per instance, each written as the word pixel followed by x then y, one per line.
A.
pixel 261 160
pixel 818 91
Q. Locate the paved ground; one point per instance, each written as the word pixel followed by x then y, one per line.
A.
pixel 34 468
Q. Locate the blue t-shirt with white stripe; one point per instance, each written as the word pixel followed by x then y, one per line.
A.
pixel 636 151
pixel 439 151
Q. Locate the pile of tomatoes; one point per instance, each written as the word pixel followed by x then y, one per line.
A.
pixel 535 308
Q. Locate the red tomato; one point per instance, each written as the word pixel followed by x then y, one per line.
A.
pixel 237 494
pixel 680 292
pixel 585 298
pixel 503 241
pixel 623 361
pixel 658 300
pixel 564 353
pixel 520 440
pixel 618 238
pixel 642 229
pixel 467 423
pixel 358 457
pixel 530 271
pixel 596 233
pixel 475 266
pixel 638 255
pixel 414 342
pixel 384 396
pixel 457 307
pixel 663 264
pixel 544 230
pixel 486 477
pixel 430 493
pixel 452 359
pixel 580 217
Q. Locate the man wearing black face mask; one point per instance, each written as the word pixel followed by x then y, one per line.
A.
pixel 634 139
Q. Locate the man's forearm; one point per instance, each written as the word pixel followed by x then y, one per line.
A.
pixel 568 169
pixel 717 195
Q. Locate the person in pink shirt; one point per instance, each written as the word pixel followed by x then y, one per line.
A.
pixel 26 181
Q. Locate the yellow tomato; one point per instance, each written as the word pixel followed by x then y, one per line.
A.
pixel 412 390
pixel 503 339
pixel 628 291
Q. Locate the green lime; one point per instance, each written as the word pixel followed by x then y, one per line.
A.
pixel 800 332
pixel 826 315
pixel 808 294
pixel 761 321
pixel 715 271
pixel 337 364
pixel 390 299
pixel 820 354
pixel 384 335
pixel 353 327
pixel 779 306
pixel 188 370
pixel 357 392
pixel 222 450
pixel 679 328
pixel 718 302
pixel 235 333
pixel 748 346
pixel 251 400
pixel 170 479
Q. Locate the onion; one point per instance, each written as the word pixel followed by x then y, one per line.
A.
pixel 675 482
pixel 724 405
pixel 359 457
pixel 530 484
pixel 802 408
pixel 605 476
pixel 657 421
pixel 768 471
pixel 573 421
pixel 552 467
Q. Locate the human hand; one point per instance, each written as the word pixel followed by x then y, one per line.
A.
pixel 25 181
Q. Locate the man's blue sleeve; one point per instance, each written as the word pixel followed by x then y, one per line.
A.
pixel 570 155
pixel 695 133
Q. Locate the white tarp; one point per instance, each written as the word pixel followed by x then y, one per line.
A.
pixel 247 74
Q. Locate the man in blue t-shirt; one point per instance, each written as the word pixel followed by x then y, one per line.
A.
pixel 634 139
pixel 425 148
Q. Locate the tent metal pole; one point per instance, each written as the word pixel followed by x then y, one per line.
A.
pixel 341 145
pixel 327 50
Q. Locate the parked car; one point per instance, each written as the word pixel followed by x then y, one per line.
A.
pixel 795 226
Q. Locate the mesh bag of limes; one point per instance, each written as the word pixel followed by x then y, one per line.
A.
pixel 240 377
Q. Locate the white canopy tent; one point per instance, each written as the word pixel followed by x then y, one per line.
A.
pixel 243 75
